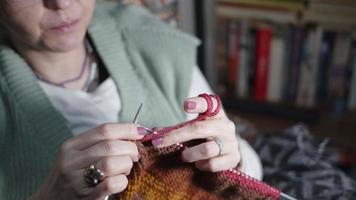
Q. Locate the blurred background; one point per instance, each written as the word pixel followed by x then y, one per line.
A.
pixel 277 63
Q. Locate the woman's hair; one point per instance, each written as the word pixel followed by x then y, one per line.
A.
pixel 2 6
pixel 2 14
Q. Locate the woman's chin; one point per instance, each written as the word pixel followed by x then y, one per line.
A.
pixel 63 45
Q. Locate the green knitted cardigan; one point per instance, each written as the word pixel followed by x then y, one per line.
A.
pixel 149 62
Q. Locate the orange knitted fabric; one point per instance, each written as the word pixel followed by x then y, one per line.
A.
pixel 160 174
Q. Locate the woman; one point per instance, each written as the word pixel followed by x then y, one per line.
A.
pixel 71 82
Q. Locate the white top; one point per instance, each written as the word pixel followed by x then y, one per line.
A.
pixel 86 110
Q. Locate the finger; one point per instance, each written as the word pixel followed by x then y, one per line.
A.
pixel 200 105
pixel 110 185
pixel 115 165
pixel 198 130
pixel 208 150
pixel 200 152
pixel 107 149
pixel 220 163
pixel 109 131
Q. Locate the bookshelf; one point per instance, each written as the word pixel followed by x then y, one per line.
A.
pixel 283 62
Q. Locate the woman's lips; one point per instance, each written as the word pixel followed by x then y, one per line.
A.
pixel 65 26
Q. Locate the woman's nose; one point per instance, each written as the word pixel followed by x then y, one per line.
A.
pixel 58 4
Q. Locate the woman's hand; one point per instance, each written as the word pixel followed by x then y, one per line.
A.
pixel 208 156
pixel 108 148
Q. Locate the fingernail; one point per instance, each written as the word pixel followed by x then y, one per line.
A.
pixel 143 131
pixel 157 142
pixel 189 105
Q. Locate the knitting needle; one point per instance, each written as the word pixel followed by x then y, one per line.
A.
pixel 136 119
pixel 135 122
pixel 137 114
pixel 286 196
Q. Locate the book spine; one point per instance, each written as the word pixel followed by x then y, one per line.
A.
pixel 251 61
pixel 275 80
pixel 339 69
pixel 262 63
pixel 242 81
pixel 222 53
pixel 294 66
pixel 352 93
pixel 309 68
pixel 233 54
pixel 326 51
pixel 287 38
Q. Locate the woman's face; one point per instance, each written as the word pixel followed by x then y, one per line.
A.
pixel 47 25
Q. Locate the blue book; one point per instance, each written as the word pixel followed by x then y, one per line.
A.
pixel 326 52
pixel 294 66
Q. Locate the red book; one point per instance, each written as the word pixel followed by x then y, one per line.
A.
pixel 263 44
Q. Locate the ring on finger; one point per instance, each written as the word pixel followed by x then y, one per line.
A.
pixel 93 176
pixel 220 145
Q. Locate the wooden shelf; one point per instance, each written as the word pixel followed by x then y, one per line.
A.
pixel 275 110
pixel 332 21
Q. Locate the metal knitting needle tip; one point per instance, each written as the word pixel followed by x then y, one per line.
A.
pixel 137 114
pixel 136 119
pixel 286 196
pixel 135 122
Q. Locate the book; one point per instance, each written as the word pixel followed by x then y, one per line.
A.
pixel 275 79
pixel 244 53
pixel 309 67
pixel 294 63
pixel 338 79
pixel 252 61
pixel 352 92
pixel 325 57
pixel 288 45
pixel 233 44
pixel 263 43
pixel 222 58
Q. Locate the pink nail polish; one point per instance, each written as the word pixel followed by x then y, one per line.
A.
pixel 142 131
pixel 189 105
pixel 157 142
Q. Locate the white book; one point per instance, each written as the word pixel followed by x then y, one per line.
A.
pixel 309 69
pixel 243 70
pixel 275 77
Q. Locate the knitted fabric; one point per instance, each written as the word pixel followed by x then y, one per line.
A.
pixel 160 174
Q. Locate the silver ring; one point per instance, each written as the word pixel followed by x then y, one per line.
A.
pixel 93 176
pixel 220 145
